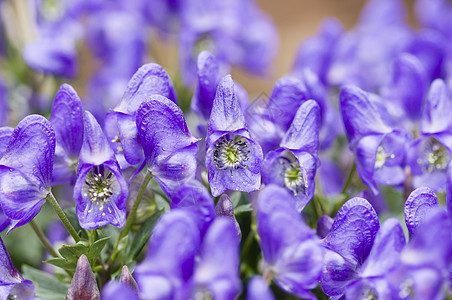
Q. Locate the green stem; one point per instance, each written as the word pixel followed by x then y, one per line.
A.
pixel 247 245
pixel 131 215
pixel 42 237
pixel 63 217
pixel 349 178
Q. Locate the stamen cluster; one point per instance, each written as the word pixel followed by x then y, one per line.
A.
pixel 231 153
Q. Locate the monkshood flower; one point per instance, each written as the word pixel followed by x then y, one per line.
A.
pixel 67 121
pixel 177 266
pixel 316 52
pixel 26 170
pixel 194 197
pixel 404 95
pixel 379 149
pixel 354 263
pixel 363 56
pixel 100 191
pixel 294 165
pixel 292 252
pixel 237 33
pixel 121 128
pixel 169 148
pixel 233 158
pixel 417 206
pixel 258 290
pixel 53 53
pixel 422 270
pixel 12 284
pixel 429 156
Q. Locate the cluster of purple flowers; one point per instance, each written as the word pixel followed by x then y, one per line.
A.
pixel 233 199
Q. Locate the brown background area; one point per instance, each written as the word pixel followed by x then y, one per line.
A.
pixel 296 20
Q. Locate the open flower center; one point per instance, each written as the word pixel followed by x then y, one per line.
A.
pixel 293 175
pixel 434 156
pixel 231 153
pixel 98 186
pixel 382 156
pixel 202 293
pixel 369 295
pixel 406 289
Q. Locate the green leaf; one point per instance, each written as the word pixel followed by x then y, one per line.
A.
pixel 95 249
pixel 61 263
pixel 243 208
pixel 46 286
pixel 142 236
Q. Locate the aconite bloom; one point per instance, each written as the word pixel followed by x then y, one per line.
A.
pixel 67 121
pixel 233 158
pixel 169 148
pixel 292 252
pixel 121 128
pixel 294 164
pixel 12 284
pixel 100 191
pixel 26 170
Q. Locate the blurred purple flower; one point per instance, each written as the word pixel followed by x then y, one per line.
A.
pixel 291 250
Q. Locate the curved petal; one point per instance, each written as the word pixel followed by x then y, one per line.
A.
pixel 286 97
pixel 353 231
pixel 360 115
pixel 436 116
pixel 208 79
pixel 150 79
pixel 417 206
pixel 226 114
pixel 5 135
pixel 115 290
pixel 388 244
pixel 303 133
pixel 95 149
pixel 193 196
pixel 67 120
pixel 31 149
pixel 218 267
pixel 366 155
pixel 259 290
pixel 170 257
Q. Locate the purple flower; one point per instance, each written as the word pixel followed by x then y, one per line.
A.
pixel 379 149
pixel 12 284
pixel 225 208
pixel 295 163
pixel 233 158
pixel 115 290
pixel 5 134
pixel 429 156
pixel 169 148
pixel 417 206
pixel 258 290
pixel 100 191
pixel 177 266
pixel 121 128
pixel 292 252
pixel 352 257
pixel 192 196
pixel 26 170
pixel 316 52
pixel 208 70
pixel 67 121
pixel 422 270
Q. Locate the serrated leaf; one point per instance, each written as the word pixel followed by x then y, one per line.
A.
pixel 95 249
pixel 142 236
pixel 46 286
